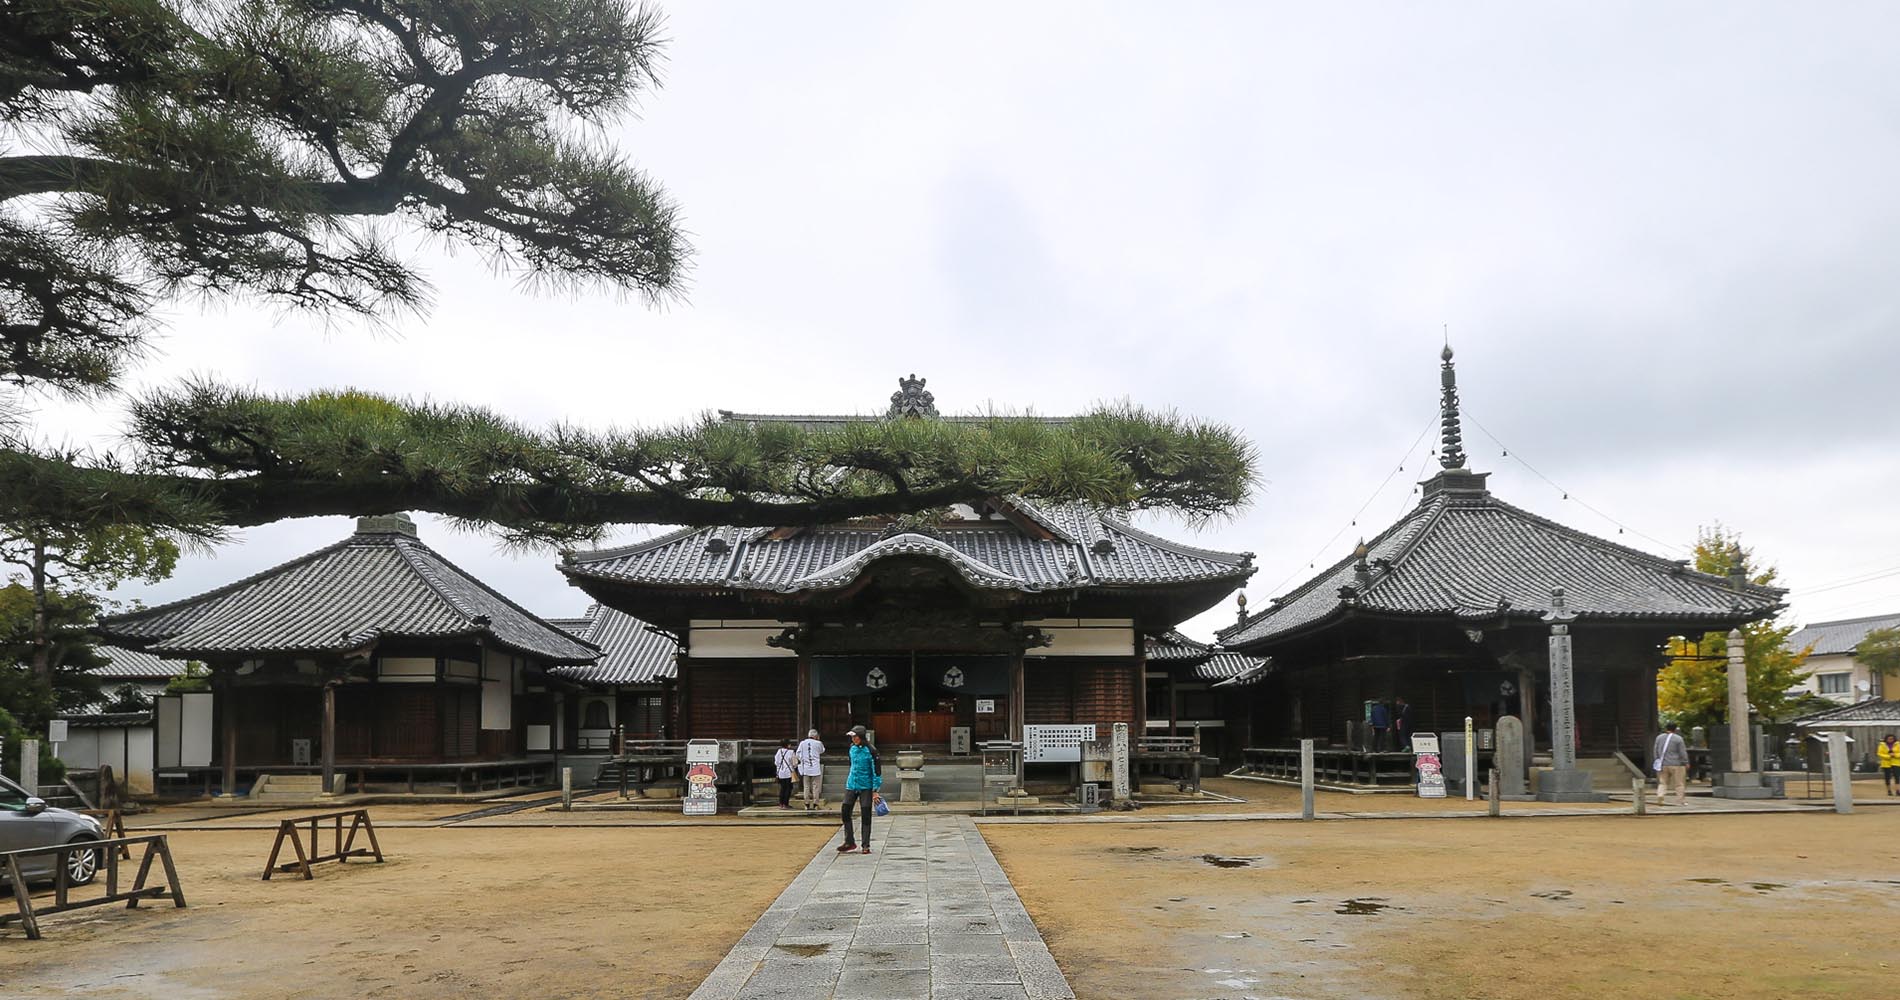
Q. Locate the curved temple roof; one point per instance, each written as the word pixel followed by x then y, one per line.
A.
pixel 1088 548
pixel 1467 554
pixel 631 651
pixel 379 582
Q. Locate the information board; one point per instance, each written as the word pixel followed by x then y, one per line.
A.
pixel 1426 765
pixel 1055 744
pixel 702 785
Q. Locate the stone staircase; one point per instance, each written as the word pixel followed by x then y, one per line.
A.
pixel 1607 774
pixel 290 789
pixel 59 797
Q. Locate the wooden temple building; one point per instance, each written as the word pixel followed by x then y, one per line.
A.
pixel 1447 609
pixel 982 618
pixel 375 658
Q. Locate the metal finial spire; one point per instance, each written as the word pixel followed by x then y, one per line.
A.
pixel 1451 452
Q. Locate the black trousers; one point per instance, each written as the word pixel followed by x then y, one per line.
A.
pixel 785 791
pixel 1891 774
pixel 860 797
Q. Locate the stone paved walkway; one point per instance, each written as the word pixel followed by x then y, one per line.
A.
pixel 929 914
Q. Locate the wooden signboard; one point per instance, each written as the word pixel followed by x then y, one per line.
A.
pixel 702 787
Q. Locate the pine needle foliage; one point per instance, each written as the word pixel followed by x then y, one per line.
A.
pixel 266 150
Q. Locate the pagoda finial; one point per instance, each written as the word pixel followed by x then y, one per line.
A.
pixel 911 399
pixel 1451 452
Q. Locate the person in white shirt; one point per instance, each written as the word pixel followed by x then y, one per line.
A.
pixel 811 769
pixel 784 761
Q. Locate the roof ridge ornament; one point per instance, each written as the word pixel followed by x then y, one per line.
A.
pixel 911 399
pixel 1451 452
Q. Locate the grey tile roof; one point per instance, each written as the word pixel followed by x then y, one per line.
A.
pixel 136 664
pixel 379 582
pixel 1211 662
pixel 630 651
pixel 1841 636
pixel 1467 554
pixel 1864 713
pixel 1093 548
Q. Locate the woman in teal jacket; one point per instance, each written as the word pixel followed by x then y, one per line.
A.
pixel 860 790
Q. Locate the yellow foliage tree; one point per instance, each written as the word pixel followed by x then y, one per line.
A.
pixel 1693 688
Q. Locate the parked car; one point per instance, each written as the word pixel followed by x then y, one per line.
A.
pixel 27 821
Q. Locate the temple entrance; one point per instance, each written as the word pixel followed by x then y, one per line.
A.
pixel 912 699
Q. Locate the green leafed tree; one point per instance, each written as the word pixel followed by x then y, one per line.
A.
pixel 61 569
pixel 270 149
pixel 1879 652
pixel 1693 687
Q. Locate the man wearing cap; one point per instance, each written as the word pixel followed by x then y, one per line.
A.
pixel 860 789
pixel 811 769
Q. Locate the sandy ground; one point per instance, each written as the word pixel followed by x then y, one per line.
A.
pixel 456 912
pixel 1662 907
pixel 1260 797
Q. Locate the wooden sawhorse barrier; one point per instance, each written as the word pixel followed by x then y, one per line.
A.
pixel 114 824
pixel 29 913
pixel 342 850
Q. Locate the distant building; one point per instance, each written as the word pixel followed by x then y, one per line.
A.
pixel 1448 609
pixel 973 620
pixel 1833 673
pixel 373 657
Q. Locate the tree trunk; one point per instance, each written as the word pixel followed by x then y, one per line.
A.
pixel 42 648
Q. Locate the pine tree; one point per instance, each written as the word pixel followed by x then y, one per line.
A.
pixel 266 150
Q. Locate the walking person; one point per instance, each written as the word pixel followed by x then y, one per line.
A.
pixel 1888 750
pixel 811 769
pixel 785 764
pixel 861 790
pixel 1380 718
pixel 1672 766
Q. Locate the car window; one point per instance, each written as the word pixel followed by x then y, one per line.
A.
pixel 12 799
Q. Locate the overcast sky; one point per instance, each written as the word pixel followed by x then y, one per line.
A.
pixel 1663 238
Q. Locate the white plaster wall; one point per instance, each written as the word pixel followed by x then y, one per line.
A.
pixel 406 669
pixel 731 640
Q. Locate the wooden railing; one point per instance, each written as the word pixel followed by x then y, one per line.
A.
pixel 342 850
pixel 156 848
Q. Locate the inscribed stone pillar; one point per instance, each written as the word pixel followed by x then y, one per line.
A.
pixel 1563 782
pixel 1740 754
pixel 30 769
pixel 1510 758
pixel 1839 775
pixel 1563 701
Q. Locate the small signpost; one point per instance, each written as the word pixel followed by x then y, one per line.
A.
pixel 702 784
pixel 1471 762
pixel 1431 773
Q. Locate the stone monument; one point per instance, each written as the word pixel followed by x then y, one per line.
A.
pixel 1563 782
pixel 1741 780
pixel 1512 785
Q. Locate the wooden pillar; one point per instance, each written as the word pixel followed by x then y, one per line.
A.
pixel 1527 702
pixel 1016 696
pixel 804 695
pixel 1141 687
pixel 1174 704
pixel 329 737
pixel 227 715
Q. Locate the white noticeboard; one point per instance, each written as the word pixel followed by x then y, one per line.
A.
pixel 1055 744
pixel 56 731
pixel 986 706
pixel 1427 766
pixel 702 790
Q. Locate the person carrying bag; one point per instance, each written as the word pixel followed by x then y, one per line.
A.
pixel 861 787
